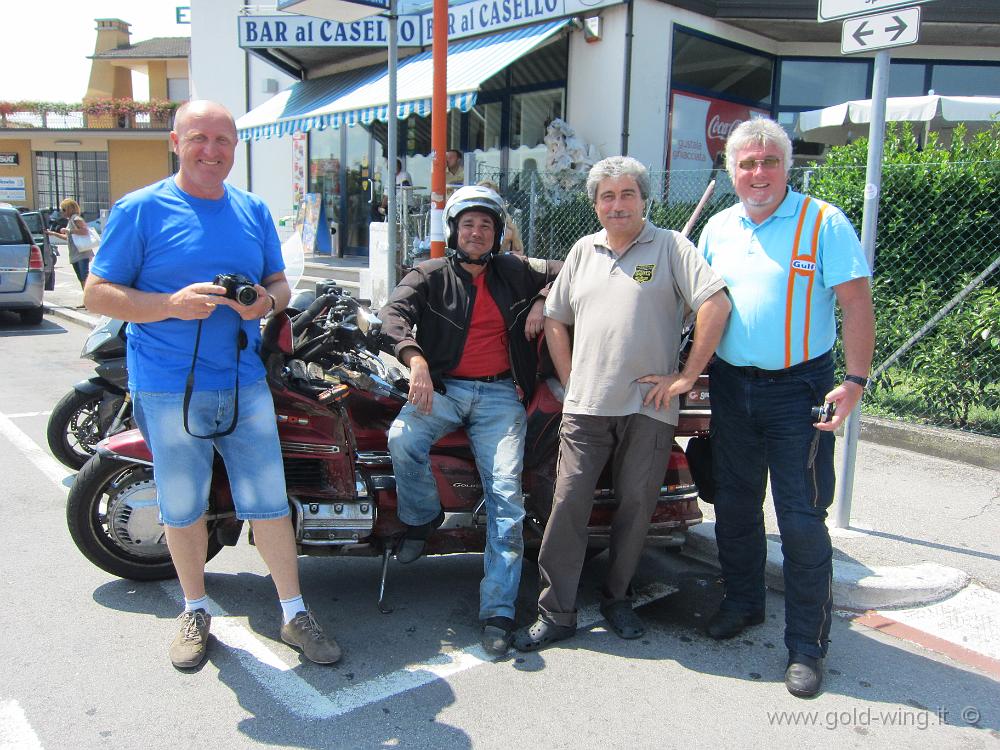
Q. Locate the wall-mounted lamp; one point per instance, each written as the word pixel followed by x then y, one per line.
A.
pixel 69 143
pixel 593 27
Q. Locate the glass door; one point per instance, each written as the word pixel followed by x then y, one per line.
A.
pixel 358 196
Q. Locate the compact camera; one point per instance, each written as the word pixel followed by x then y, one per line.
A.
pixel 238 287
pixel 824 413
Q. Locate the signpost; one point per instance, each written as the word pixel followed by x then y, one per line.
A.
pixel 894 29
pixel 865 30
pixel 832 10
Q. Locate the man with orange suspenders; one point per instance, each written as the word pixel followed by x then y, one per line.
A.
pixel 786 259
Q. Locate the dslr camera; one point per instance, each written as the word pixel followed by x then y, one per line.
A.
pixel 238 287
pixel 824 413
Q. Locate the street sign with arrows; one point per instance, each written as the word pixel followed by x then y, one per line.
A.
pixel 867 33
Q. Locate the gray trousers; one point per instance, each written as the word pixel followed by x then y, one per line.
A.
pixel 640 448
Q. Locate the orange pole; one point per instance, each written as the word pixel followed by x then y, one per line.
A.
pixel 439 124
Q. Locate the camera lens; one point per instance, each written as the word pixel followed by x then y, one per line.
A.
pixel 246 295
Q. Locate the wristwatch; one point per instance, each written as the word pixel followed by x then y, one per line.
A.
pixel 861 380
pixel 274 305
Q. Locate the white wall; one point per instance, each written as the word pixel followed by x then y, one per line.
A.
pixel 217 65
pixel 595 84
pixel 271 158
pixel 218 72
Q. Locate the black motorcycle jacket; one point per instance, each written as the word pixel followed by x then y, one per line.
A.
pixel 431 308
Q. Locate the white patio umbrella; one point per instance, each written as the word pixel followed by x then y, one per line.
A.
pixel 845 122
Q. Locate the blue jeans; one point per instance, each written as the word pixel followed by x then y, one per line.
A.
pixel 495 422
pixel 761 426
pixel 182 464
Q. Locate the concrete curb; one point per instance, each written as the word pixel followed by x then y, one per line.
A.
pixel 74 316
pixel 855 586
pixel 952 445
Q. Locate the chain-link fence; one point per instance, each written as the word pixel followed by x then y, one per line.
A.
pixel 936 285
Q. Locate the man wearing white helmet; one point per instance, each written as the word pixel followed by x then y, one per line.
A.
pixel 463 325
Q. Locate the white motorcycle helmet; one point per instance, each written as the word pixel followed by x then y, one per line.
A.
pixel 481 199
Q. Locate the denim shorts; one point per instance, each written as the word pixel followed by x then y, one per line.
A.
pixel 182 464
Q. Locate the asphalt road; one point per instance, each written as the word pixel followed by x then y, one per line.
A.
pixel 85 666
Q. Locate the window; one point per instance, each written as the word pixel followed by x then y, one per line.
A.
pixel 531 115
pixel 707 66
pixel 178 89
pixel 966 80
pixel 819 83
pixel 81 175
pixel 907 79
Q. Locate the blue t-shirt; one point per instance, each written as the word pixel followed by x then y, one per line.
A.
pixel 160 239
pixel 780 275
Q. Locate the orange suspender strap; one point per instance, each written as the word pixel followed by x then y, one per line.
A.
pixel 812 277
pixel 791 282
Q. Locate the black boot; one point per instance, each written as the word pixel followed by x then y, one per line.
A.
pixel 411 546
pixel 804 675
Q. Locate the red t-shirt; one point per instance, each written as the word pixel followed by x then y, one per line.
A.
pixel 485 351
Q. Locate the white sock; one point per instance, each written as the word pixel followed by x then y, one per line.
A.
pixel 291 607
pixel 190 605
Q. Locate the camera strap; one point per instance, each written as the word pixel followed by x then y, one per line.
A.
pixel 241 344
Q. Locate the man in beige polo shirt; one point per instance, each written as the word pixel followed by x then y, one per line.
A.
pixel 624 292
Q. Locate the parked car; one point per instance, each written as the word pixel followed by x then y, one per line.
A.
pixel 36 225
pixel 22 269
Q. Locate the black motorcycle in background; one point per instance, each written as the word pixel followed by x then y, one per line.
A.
pixel 95 408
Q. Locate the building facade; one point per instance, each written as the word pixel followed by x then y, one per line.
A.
pixel 662 81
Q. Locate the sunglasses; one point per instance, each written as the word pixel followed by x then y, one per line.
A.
pixel 768 162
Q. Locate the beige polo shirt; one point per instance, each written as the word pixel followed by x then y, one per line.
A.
pixel 626 313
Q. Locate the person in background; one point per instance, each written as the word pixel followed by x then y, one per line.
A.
pixel 454 169
pixel 75 227
pixel 788 261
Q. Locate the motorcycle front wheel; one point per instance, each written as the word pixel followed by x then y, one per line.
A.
pixel 74 429
pixel 114 521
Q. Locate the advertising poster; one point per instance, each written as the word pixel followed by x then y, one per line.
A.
pixel 298 168
pixel 699 126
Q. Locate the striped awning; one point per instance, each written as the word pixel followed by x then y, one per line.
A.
pixel 362 95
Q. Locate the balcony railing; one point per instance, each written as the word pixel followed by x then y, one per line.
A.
pixel 13 119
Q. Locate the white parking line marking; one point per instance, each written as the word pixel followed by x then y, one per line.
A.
pixel 15 731
pixel 280 680
pixel 42 460
pixel 25 414
pixel 301 699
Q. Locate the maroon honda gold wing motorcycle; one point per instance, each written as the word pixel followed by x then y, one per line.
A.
pixel 334 400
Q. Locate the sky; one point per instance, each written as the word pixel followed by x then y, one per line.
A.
pixel 52 40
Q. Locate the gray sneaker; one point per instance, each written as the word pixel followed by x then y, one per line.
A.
pixel 190 645
pixel 305 633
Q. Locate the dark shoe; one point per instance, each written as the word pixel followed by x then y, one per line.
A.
pixel 804 675
pixel 540 634
pixel 728 624
pixel 190 645
pixel 497 632
pixel 623 620
pixel 305 633
pixel 411 546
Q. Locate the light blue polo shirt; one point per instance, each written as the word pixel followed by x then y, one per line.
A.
pixel 783 303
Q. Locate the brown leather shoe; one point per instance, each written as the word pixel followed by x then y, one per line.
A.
pixel 305 633
pixel 190 645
